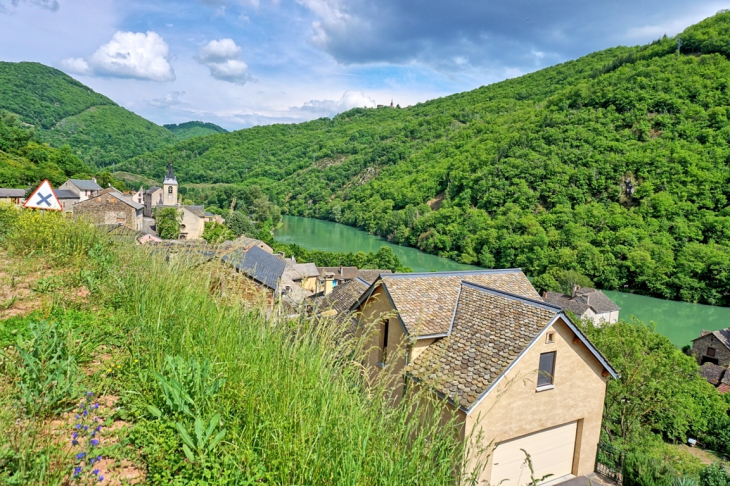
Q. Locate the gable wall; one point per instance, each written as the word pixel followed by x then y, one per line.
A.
pixel 193 225
pixel 699 348
pixel 514 408
pixel 108 209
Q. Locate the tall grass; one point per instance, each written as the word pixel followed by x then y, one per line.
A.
pixel 294 404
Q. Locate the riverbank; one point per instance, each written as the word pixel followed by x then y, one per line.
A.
pixel 679 321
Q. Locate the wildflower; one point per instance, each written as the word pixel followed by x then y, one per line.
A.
pixel 80 455
pixel 77 471
pixel 98 428
pixel 136 361
pixel 98 458
pixel 86 413
pixel 109 370
pixel 94 442
pixel 101 478
pixel 92 460
pixel 95 472
pixel 78 416
pixel 78 426
pixel 96 405
pixel 89 394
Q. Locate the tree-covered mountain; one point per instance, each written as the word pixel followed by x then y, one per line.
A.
pixel 191 129
pixel 64 111
pixel 615 166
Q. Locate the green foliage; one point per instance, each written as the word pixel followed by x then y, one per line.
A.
pixel 168 222
pixel 216 232
pixel 530 172
pixel 383 259
pixel 660 387
pixel 239 224
pixel 684 481
pixel 47 375
pixel 192 129
pixel 714 475
pixel 204 444
pixel 642 470
pixel 559 280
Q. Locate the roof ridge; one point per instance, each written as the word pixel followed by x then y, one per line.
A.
pixel 509 295
pixel 452 273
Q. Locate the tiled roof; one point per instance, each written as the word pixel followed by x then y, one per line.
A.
pixel 722 335
pixel 261 266
pixel 341 299
pixel 584 299
pixel 12 192
pixel 306 270
pixel 152 190
pixel 425 301
pixel 341 273
pixel 65 194
pixel 86 185
pixel 371 275
pixel 490 330
pixel 712 373
pixel 196 210
pixel 723 388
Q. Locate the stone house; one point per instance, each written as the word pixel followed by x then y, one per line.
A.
pixel 516 371
pixel 716 375
pixel 84 188
pixel 138 196
pixel 193 221
pixel 67 199
pixel 712 347
pixel 586 303
pixel 110 206
pixel 152 197
pixel 12 196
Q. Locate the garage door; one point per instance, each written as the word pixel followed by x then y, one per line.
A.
pixel 551 451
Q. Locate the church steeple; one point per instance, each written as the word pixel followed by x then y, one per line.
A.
pixel 169 186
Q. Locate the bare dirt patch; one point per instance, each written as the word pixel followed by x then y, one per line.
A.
pixel 437 201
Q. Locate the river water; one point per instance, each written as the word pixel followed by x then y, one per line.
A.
pixel 679 321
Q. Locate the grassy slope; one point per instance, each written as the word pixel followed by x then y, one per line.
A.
pixel 192 129
pixel 64 111
pixel 533 169
pixel 294 411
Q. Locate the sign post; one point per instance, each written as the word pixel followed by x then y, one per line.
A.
pixel 43 198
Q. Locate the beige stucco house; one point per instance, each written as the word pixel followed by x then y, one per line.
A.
pixel 586 303
pixel 517 371
pixel 83 188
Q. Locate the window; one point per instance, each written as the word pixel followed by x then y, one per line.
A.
pixel 550 337
pixel 547 369
pixel 710 352
pixel 169 190
pixel 383 351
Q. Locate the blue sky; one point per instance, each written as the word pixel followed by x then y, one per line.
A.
pixel 240 63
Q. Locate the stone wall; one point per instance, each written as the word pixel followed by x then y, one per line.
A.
pixel 107 209
pixel 699 350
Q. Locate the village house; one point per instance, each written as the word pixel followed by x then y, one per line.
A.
pixel 193 221
pixel 110 206
pixel 151 198
pixel 712 347
pixel 67 199
pixel 338 303
pixel 12 196
pixel 517 371
pixel 83 188
pixel 138 196
pixel 716 375
pixel 210 217
pixel 331 277
pixel 246 242
pixel 586 303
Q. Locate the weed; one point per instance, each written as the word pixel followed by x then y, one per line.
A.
pixel 85 442
pixel 198 450
pixel 8 304
pixel 46 285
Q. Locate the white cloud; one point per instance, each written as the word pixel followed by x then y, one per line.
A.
pixel 349 100
pixel 170 99
pixel 127 55
pixel 222 57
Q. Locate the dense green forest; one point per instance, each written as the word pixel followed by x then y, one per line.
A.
pixel 614 165
pixel 25 161
pixel 64 111
pixel 192 129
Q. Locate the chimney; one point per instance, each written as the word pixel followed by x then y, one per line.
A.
pixel 93 179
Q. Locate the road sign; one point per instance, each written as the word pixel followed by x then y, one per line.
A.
pixel 43 198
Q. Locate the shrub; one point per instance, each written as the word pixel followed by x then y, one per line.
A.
pixel 641 470
pixel 714 475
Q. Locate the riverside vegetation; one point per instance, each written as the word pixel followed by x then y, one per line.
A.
pixel 191 386
pixel 614 166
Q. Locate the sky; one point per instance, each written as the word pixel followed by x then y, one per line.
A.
pixel 240 63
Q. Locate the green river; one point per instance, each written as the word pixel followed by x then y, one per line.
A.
pixel 679 321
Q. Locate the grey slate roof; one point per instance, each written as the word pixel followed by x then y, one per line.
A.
pixel 341 299
pixel 713 373
pixel 65 194
pixel 306 270
pixel 196 210
pixel 341 273
pixel 152 189
pixel 12 192
pixel 723 335
pixel 584 299
pixel 261 266
pixel 86 185
pixel 371 276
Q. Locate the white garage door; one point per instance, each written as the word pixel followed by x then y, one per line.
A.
pixel 551 451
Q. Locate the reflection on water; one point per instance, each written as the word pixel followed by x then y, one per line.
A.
pixel 679 321
pixel 315 234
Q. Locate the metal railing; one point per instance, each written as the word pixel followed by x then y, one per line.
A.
pixel 610 462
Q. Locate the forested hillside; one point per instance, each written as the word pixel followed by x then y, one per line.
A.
pixel 192 129
pixel 614 165
pixel 64 111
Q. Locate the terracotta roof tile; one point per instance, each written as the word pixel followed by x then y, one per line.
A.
pixel 425 302
pixel 490 331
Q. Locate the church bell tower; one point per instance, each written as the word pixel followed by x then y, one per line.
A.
pixel 169 186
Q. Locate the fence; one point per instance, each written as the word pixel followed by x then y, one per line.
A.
pixel 610 463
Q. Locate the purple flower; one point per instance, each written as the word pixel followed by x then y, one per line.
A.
pixel 78 416
pixel 96 405
pixel 78 426
pixel 101 478
pixel 77 471
pixel 89 394
pixel 95 472
pixel 92 460
pixel 80 455
pixel 74 442
pixel 86 427
pixel 98 458
pixel 74 435
pixel 86 413
pixel 94 442
pixel 98 428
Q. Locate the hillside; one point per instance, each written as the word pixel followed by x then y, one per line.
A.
pixel 614 165
pixel 64 111
pixel 192 129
